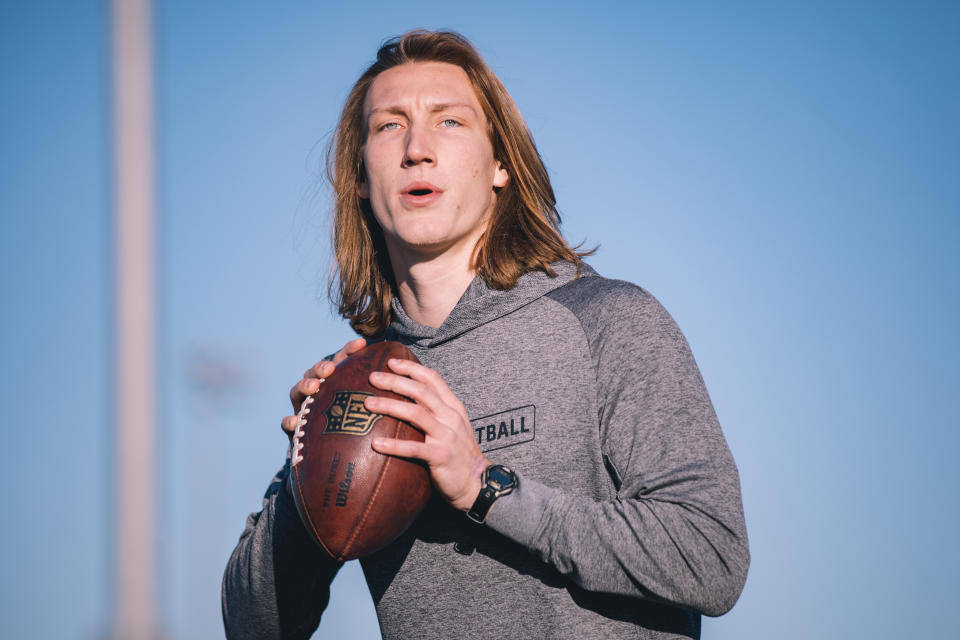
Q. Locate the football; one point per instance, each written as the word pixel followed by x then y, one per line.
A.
pixel 353 500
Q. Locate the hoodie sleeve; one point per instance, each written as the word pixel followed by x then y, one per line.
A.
pixel 277 581
pixel 675 531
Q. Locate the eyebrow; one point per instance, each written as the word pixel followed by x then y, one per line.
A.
pixel 434 108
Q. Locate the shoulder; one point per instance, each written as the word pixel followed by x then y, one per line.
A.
pixel 604 304
pixel 630 335
pixel 624 325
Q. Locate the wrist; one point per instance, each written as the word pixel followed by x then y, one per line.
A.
pixel 497 481
pixel 474 484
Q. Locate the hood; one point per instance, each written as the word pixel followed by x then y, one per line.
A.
pixel 481 304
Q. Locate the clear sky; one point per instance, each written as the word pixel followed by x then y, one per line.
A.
pixel 784 177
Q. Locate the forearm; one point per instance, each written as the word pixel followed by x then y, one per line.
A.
pixel 277 581
pixel 644 547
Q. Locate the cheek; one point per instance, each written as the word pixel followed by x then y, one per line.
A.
pixel 479 169
pixel 478 157
pixel 482 175
pixel 375 162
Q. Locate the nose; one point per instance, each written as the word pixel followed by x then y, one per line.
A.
pixel 419 148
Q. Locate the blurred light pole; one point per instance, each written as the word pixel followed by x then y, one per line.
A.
pixel 135 589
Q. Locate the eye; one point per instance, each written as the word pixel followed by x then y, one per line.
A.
pixel 450 122
pixel 390 126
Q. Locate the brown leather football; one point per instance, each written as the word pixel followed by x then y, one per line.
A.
pixel 353 500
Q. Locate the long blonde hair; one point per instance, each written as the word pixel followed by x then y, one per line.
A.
pixel 523 233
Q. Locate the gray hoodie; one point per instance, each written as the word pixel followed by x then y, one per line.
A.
pixel 628 520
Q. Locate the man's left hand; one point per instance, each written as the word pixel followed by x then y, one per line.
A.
pixel 450 448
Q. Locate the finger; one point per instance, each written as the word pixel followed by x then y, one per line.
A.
pixel 304 388
pixel 402 448
pixel 429 377
pixel 409 412
pixel 407 387
pixel 289 424
pixel 349 349
pixel 323 369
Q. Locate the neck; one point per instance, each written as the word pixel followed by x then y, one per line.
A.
pixel 430 286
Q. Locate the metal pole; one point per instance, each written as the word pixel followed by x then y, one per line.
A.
pixel 135 560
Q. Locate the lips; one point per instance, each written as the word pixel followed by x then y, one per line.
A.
pixel 419 194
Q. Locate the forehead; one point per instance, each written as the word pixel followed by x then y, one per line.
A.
pixel 420 83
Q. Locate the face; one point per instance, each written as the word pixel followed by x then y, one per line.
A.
pixel 430 170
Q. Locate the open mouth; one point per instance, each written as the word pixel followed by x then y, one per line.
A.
pixel 421 193
pixel 421 190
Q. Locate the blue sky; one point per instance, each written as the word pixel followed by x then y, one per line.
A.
pixel 783 177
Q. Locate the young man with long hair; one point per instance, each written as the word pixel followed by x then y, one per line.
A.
pixel 577 392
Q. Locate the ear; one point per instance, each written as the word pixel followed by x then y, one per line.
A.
pixel 362 190
pixel 501 177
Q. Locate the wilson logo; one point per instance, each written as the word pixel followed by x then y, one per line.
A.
pixel 347 415
pixel 506 428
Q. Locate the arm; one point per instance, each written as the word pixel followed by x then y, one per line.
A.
pixel 277 581
pixel 675 531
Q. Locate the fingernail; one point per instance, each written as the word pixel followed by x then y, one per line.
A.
pixel 377 442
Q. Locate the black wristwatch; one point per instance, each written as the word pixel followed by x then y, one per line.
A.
pixel 498 480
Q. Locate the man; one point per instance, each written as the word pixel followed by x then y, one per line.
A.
pixel 624 519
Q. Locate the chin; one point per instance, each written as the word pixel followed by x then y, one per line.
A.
pixel 424 236
pixel 428 246
pixel 429 236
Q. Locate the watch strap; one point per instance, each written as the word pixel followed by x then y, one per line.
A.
pixel 485 500
pixel 490 492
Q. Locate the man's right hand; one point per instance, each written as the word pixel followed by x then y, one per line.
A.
pixel 313 378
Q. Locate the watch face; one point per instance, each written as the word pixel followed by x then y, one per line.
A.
pixel 497 476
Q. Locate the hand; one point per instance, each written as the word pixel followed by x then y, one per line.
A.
pixel 312 379
pixel 450 448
